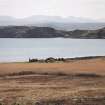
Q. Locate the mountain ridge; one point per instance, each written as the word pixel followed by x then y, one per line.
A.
pixel 57 22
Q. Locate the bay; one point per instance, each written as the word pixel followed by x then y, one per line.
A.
pixel 15 49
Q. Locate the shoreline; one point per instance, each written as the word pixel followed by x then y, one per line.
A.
pixel 78 65
pixel 54 60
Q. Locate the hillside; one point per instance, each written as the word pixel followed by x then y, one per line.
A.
pixel 48 32
pixel 88 34
pixel 29 32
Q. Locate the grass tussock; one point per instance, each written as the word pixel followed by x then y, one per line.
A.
pixel 93 75
pixel 81 75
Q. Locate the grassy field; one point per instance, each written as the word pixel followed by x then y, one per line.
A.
pixel 79 82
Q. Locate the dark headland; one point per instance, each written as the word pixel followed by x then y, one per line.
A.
pixel 48 32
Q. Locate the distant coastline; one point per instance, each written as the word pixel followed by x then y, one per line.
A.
pixel 48 32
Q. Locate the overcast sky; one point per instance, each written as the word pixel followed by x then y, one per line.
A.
pixel 79 8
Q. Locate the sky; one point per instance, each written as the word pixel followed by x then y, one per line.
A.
pixel 79 8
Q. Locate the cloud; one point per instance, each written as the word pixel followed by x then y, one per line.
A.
pixel 79 8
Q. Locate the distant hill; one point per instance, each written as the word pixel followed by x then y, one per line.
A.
pixel 47 32
pixel 87 34
pixel 57 22
pixel 29 32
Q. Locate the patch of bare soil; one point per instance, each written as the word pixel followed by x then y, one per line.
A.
pixel 52 89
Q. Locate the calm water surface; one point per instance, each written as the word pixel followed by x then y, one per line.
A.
pixel 23 49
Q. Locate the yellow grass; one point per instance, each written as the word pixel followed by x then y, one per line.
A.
pixel 47 88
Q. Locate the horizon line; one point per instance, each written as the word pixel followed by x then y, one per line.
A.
pixel 64 17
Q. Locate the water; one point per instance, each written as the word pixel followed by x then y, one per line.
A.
pixel 22 49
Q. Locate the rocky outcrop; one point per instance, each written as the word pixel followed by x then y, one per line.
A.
pixel 52 60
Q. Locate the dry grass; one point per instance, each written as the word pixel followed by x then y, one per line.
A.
pixel 80 66
pixel 75 83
